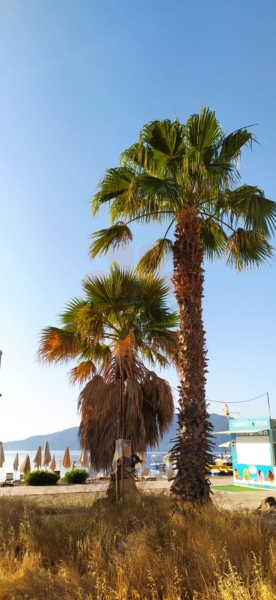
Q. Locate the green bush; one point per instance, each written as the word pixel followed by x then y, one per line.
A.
pixel 41 478
pixel 75 476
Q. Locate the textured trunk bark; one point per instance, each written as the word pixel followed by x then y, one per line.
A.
pixel 192 450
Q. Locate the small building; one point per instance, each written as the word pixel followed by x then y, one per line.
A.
pixel 253 447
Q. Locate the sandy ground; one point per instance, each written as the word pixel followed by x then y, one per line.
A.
pixel 226 500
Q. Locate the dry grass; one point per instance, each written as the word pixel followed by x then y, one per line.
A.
pixel 147 549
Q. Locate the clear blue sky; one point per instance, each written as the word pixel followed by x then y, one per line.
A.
pixel 78 81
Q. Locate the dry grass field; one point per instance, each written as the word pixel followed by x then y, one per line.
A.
pixel 148 549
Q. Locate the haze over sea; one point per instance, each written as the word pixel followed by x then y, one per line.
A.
pixel 74 455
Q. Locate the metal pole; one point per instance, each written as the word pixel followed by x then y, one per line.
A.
pixel 0 363
pixel 268 403
pixel 122 429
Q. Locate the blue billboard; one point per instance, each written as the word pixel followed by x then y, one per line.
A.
pixel 249 424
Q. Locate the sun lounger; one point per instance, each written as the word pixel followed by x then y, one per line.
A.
pixel 20 480
pixel 169 475
pixel 143 475
pixel 8 481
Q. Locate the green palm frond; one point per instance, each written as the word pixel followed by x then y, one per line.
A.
pixel 116 182
pixel 203 132
pixel 155 257
pixel 138 158
pixel 155 358
pixel 115 306
pixel 247 249
pixel 231 145
pixel 249 205
pixel 214 238
pixel 165 144
pixel 110 239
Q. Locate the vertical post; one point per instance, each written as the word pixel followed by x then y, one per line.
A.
pixel 122 429
pixel 268 403
pixel 0 362
pixel 117 482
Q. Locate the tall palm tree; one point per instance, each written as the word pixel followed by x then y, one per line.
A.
pixel 122 324
pixel 188 175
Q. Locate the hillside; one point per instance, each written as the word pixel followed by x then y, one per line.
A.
pixel 69 437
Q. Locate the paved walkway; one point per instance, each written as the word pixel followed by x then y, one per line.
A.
pixel 227 500
pixel 28 490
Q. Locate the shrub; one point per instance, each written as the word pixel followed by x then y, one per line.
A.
pixel 41 478
pixel 75 476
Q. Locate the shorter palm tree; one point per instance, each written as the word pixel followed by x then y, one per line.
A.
pixel 121 329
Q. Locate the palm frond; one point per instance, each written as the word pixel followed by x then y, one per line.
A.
pixel 110 239
pixel 58 345
pixel 249 205
pixel 139 158
pixel 214 238
pixel 116 182
pixel 203 131
pixel 155 257
pixel 165 145
pixel 158 397
pixel 247 249
pixel 231 145
pixel 148 412
pixel 83 372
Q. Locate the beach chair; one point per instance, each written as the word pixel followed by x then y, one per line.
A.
pixel 143 475
pixel 169 475
pixel 9 480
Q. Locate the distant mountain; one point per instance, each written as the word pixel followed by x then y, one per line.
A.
pixel 57 441
pixel 69 437
pixel 220 423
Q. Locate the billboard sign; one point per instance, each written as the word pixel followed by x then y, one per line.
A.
pixel 249 424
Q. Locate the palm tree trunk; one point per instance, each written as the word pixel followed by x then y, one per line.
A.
pixel 192 450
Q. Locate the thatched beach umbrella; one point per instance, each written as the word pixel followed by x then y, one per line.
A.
pixel 52 465
pixel 15 463
pixel 66 461
pixel 25 467
pixel 46 455
pixel 84 459
pixel 38 458
pixel 2 455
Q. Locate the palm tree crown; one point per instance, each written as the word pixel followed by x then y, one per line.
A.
pixel 188 175
pixel 122 324
pixel 174 167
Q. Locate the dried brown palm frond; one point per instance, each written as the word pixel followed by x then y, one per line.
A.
pixel 82 372
pixel 157 392
pixel 99 405
pixel 58 345
pixel 147 412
